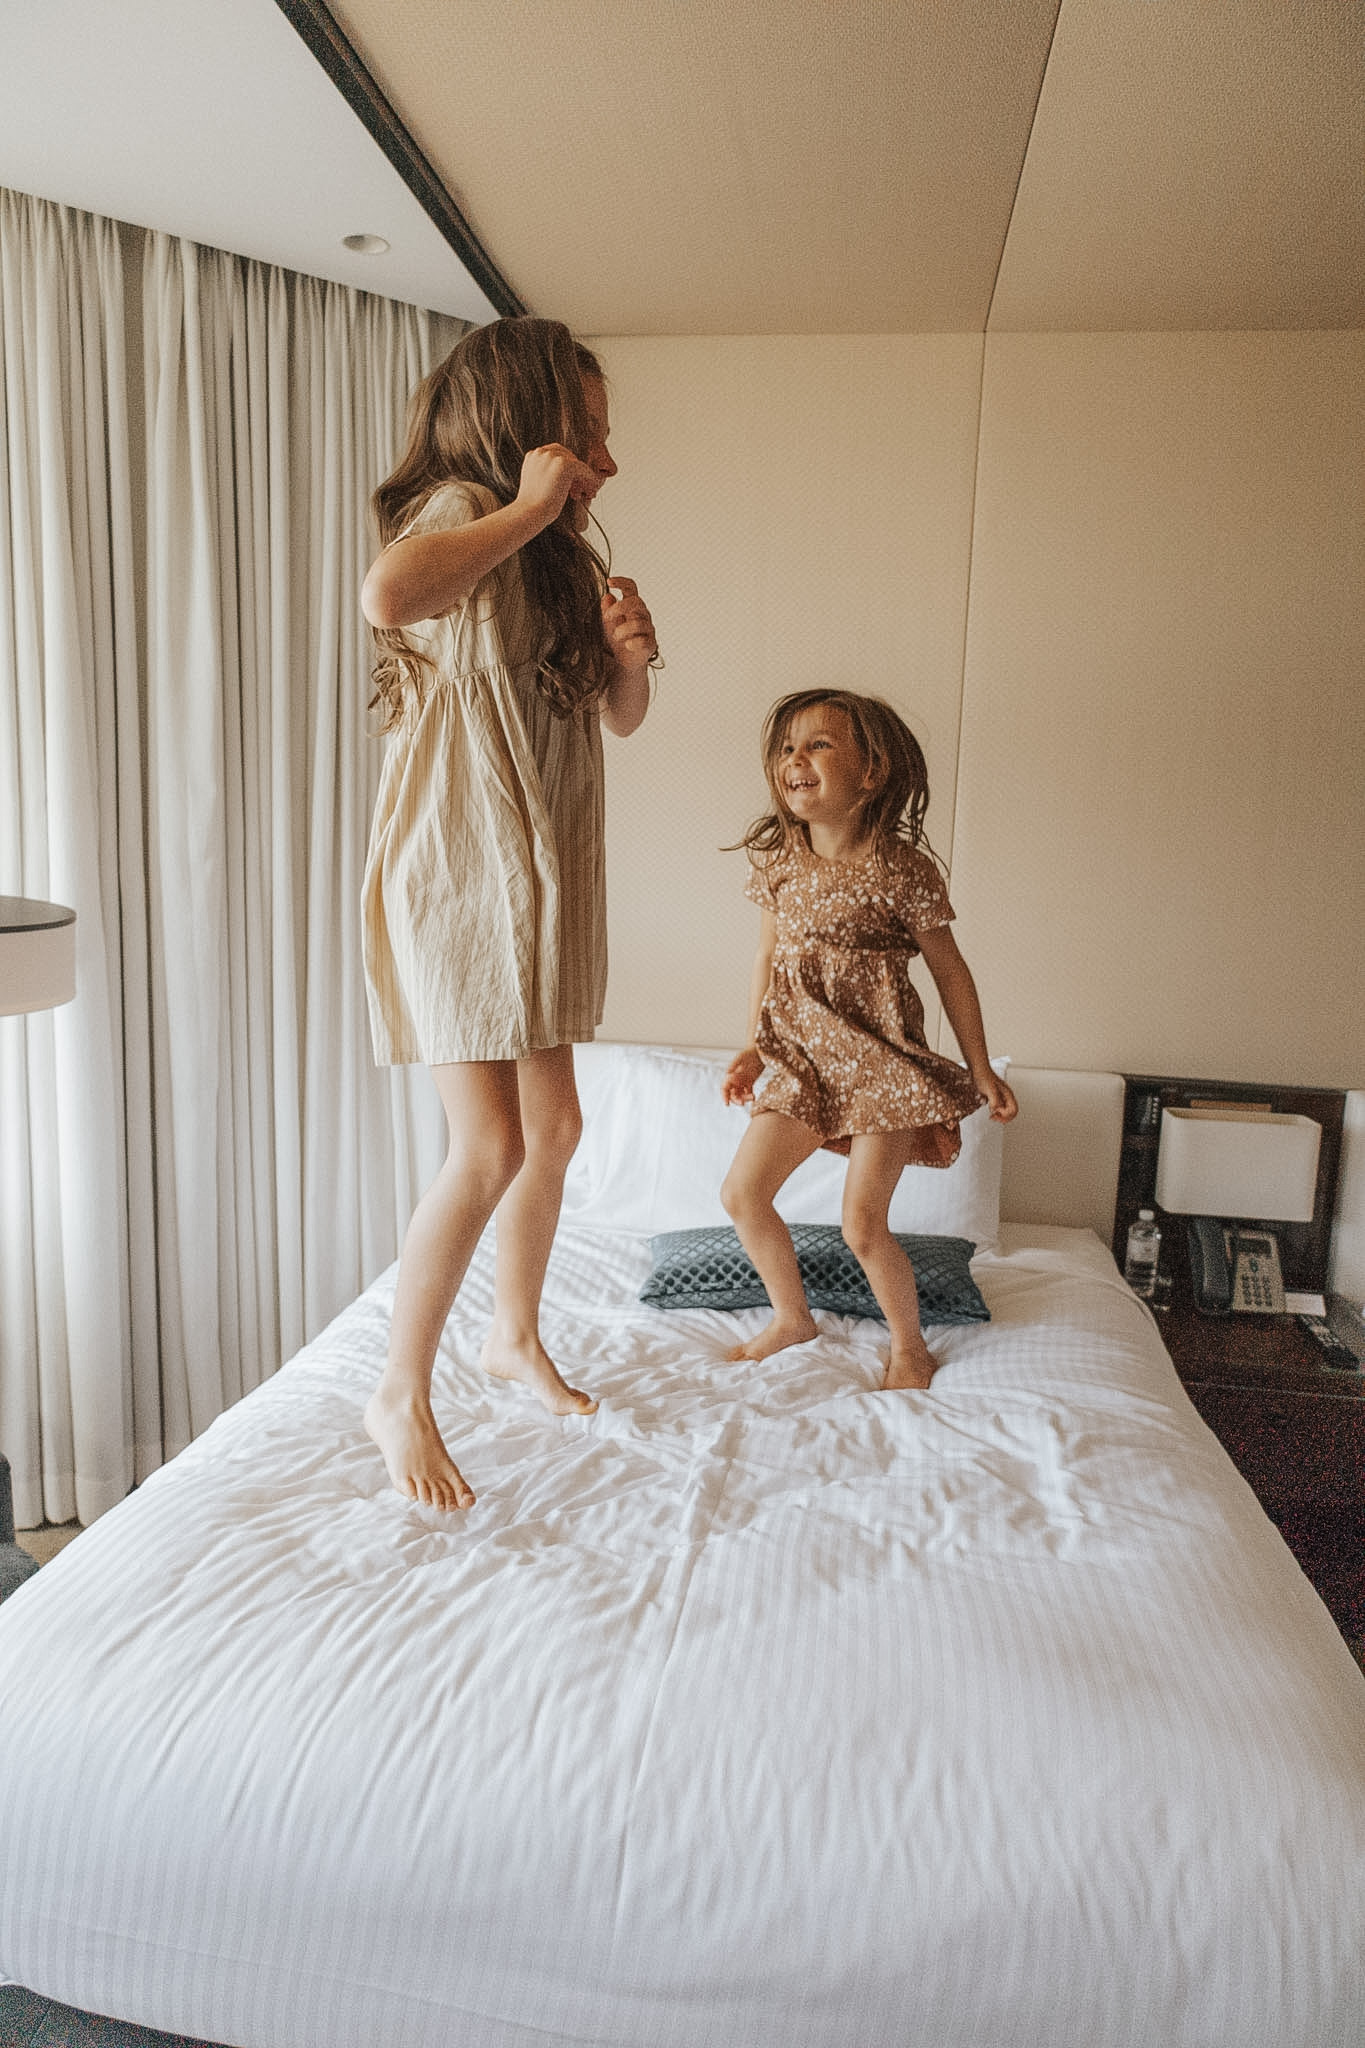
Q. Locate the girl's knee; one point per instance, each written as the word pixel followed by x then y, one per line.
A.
pixel 865 1232
pixel 568 1132
pixel 507 1160
pixel 748 1207
pixel 553 1142
pixel 490 1165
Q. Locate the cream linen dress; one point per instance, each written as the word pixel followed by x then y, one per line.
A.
pixel 484 897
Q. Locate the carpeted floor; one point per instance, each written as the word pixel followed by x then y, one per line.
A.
pixel 43 1544
pixel 29 2022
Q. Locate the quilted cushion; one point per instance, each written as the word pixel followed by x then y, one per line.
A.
pixel 709 1268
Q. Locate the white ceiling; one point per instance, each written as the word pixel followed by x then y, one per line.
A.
pixel 211 119
pixel 741 166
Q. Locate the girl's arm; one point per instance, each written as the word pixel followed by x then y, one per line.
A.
pixel 426 575
pixel 630 637
pixel 962 1008
pixel 745 1068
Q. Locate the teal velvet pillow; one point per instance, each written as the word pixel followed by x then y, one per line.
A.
pixel 710 1269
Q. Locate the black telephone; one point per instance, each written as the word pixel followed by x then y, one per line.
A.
pixel 1234 1269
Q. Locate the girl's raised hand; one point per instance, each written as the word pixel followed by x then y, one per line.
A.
pixel 627 624
pixel 551 475
pixel 737 1083
pixel 999 1097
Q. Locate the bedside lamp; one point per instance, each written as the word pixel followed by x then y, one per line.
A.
pixel 37 955
pixel 1241 1163
pixel 37 972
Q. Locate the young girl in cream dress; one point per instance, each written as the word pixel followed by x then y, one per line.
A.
pixel 502 649
pixel 849 894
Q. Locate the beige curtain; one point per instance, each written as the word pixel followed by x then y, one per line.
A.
pixel 208 779
pixel 74 1130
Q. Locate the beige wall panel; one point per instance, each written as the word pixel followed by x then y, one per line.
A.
pixel 1160 838
pixel 796 511
pixel 1193 166
pixel 1347 1270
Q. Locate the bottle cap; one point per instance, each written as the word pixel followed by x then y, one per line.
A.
pixel 1146 1216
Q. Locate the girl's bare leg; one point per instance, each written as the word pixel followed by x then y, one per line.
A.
pixel 485 1154
pixel 875 1162
pixel 527 1218
pixel 769 1153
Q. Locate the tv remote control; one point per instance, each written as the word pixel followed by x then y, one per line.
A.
pixel 1336 1354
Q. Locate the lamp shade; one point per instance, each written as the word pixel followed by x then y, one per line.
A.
pixel 37 955
pixel 1238 1162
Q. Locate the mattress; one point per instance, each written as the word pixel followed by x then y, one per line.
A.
pixel 761 1709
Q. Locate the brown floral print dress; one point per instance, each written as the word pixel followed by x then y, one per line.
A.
pixel 842 1025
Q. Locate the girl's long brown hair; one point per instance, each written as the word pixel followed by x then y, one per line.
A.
pixel 895 805
pixel 505 388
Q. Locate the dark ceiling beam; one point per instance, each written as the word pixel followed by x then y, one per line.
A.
pixel 339 60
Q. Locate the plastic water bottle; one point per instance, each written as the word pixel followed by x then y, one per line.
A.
pixel 1144 1249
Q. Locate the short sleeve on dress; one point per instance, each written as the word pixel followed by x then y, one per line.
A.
pixel 919 895
pixel 759 888
pixel 452 504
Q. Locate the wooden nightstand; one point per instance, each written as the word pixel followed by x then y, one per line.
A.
pixel 1294 1426
pixel 1295 1429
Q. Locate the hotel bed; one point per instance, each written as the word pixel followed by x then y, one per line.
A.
pixel 759 1710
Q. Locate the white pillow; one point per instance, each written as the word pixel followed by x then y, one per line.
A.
pixel 961 1200
pixel 658 1141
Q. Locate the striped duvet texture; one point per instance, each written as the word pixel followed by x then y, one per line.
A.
pixel 759 1710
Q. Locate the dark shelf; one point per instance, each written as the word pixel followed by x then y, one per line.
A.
pixel 1293 1425
pixel 1304 1247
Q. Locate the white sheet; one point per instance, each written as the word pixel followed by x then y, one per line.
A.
pixel 760 1708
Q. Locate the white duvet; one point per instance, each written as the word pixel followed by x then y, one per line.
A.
pixel 759 1710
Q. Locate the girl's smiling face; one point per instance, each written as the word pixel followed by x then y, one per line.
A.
pixel 599 427
pixel 597 455
pixel 820 769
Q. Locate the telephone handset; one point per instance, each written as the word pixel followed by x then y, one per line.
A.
pixel 1234 1270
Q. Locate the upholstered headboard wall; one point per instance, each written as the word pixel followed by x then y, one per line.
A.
pixel 1061 1154
pixel 1061 1160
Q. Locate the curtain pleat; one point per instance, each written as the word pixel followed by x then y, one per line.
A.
pixel 200 1163
pixel 274 404
pixel 67 653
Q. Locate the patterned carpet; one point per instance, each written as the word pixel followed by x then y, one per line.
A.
pixel 29 2022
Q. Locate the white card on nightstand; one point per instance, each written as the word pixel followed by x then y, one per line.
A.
pixel 1305 1305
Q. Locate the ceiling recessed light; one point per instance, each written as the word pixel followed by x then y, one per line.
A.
pixel 365 245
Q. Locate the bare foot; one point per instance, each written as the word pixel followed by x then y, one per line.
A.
pixel 776 1337
pixel 911 1365
pixel 532 1365
pixel 418 1462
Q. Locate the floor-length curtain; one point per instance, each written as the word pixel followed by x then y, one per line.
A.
pixel 199 1163
pixel 74 1137
pixel 273 403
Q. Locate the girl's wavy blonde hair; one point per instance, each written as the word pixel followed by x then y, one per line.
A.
pixel 505 388
pixel 895 805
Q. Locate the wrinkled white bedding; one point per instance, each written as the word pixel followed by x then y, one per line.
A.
pixel 759 1710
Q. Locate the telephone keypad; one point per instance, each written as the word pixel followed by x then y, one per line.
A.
pixel 1255 1283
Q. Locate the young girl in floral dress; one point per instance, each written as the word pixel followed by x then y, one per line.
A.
pixel 849 894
